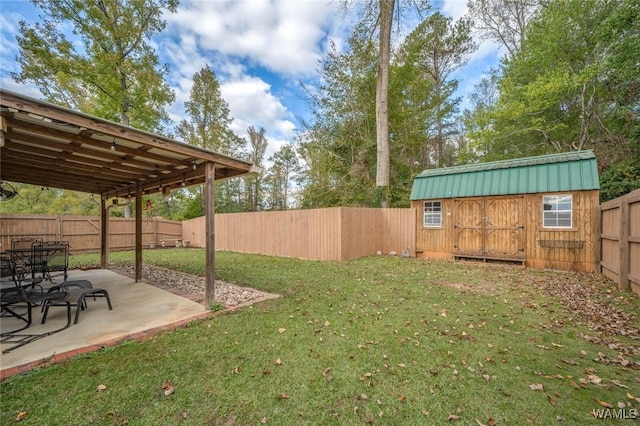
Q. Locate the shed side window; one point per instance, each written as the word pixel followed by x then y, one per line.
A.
pixel 557 211
pixel 432 216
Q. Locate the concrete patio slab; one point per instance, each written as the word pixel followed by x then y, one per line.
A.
pixel 139 310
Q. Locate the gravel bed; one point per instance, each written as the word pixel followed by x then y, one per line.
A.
pixel 228 295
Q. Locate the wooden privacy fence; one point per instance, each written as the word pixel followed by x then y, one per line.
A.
pixel 83 232
pixel 338 233
pixel 324 234
pixel 619 235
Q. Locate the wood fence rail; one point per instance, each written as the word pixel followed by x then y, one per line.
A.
pixel 619 241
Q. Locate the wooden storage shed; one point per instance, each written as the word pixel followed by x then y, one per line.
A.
pixel 540 211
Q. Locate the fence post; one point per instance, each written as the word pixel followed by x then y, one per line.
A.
pixel 623 281
pixel 58 228
pixel 155 229
pixel 598 247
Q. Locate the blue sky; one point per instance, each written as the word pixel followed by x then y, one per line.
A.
pixel 262 51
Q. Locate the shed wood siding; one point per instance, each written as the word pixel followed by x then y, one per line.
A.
pixel 510 227
pixel 565 249
pixel 435 243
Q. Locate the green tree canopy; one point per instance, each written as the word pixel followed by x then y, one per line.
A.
pixel 572 86
pixel 108 68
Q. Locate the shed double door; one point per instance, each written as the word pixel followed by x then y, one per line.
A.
pixel 489 227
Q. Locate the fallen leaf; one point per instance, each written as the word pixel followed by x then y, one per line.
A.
pixel 621 404
pixel 362 397
pixel 491 422
pixel 568 361
pixel 100 388
pixel 605 404
pixel 264 421
pixel 618 384
pixel 282 330
pixel 21 415
pixel 480 423
pixel 504 393
pixel 278 362
pixel 453 417
pixel 167 388
pixel 630 396
pixel 594 379
pixel 327 323
pixel 284 395
pixel 536 386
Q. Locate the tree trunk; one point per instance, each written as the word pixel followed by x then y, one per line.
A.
pixel 382 100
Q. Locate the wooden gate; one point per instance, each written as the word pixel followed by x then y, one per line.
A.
pixel 489 228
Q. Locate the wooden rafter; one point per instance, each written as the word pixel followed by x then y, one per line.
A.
pixel 53 146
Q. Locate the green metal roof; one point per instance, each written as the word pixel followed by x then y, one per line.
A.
pixel 572 171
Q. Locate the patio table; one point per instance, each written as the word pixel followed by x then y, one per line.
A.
pixel 40 259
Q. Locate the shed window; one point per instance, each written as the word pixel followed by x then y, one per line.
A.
pixel 432 217
pixel 557 211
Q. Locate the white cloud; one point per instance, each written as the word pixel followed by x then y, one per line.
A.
pixel 454 8
pixel 252 104
pixel 239 40
pixel 282 36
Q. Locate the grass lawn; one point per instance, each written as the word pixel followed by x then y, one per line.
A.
pixel 379 340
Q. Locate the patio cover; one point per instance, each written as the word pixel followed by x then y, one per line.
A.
pixel 47 145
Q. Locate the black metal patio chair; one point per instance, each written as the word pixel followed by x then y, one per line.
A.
pixel 77 293
pixel 22 255
pixel 24 295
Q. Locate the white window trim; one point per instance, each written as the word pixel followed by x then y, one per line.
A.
pixel 557 211
pixel 431 214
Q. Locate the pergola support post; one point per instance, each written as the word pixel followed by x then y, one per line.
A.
pixel 210 199
pixel 138 235
pixel 104 233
